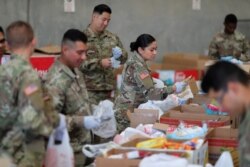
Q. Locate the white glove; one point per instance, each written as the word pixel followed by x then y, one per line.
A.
pixel 115 63
pixel 180 86
pixel 91 122
pixel 59 131
pixel 117 52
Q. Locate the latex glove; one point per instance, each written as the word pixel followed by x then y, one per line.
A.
pixel 182 101
pixel 117 52
pixel 115 63
pixel 91 122
pixel 180 86
pixel 59 131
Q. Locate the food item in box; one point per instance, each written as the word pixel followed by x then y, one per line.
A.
pixel 189 145
pixel 183 133
pixel 152 143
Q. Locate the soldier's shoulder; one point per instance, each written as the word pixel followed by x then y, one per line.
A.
pixel 239 35
pixel 133 63
pixel 87 32
pixel 110 34
pixel 218 37
pixel 18 68
pixel 57 77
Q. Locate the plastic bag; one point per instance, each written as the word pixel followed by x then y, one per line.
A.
pixel 183 133
pixel 92 151
pixel 106 113
pixel 161 105
pixel 225 160
pixel 59 155
pixel 163 160
pixel 158 83
pixel 170 102
pixel 144 131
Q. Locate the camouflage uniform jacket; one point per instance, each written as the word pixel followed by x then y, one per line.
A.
pixel 137 85
pixel 99 47
pixel 22 112
pixel 244 138
pixel 235 45
pixel 70 98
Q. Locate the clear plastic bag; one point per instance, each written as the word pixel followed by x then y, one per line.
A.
pixel 106 113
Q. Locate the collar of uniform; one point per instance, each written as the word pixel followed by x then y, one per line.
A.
pixel 227 35
pixel 94 35
pixel 65 69
pixel 14 56
pixel 140 58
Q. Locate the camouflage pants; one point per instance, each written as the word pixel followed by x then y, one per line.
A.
pixel 97 96
pixel 122 121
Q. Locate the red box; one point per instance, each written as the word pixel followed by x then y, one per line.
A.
pixel 42 63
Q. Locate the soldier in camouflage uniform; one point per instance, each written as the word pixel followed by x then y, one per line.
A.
pixel 24 120
pixel 230 42
pixel 102 45
pixel 70 96
pixel 231 86
pixel 2 44
pixel 137 84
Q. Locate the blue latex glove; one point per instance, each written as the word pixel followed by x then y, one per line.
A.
pixel 59 131
pixel 91 122
pixel 226 58
pixel 180 86
pixel 115 63
pixel 117 52
pixel 182 101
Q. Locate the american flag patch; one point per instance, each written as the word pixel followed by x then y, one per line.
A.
pixel 143 75
pixel 30 89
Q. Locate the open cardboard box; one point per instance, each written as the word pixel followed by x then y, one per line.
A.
pixel 224 138
pixel 182 61
pixel 189 108
pixel 174 118
pixel 198 156
pixel 105 161
pixel 142 116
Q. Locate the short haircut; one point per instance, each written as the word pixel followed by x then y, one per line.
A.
pixel 102 8
pixel 230 18
pixel 1 30
pixel 220 74
pixel 19 34
pixel 74 35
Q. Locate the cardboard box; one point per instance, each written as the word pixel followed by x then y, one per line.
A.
pixel 201 99
pixel 106 162
pixel 183 61
pixel 220 139
pixel 142 116
pixel 174 118
pixel 198 156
